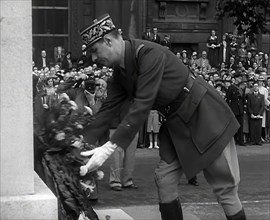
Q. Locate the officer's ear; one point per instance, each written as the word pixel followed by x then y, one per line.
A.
pixel 107 40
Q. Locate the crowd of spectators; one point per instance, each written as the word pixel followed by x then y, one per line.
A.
pixel 224 64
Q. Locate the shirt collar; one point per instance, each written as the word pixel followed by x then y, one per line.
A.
pixel 122 59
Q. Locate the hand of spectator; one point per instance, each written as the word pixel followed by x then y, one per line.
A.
pixel 253 116
pixel 90 97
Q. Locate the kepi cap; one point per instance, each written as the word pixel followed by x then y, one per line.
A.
pixel 96 30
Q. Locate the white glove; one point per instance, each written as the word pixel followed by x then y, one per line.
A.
pixel 99 156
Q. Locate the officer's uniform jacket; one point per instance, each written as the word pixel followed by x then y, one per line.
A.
pixel 235 100
pixel 196 133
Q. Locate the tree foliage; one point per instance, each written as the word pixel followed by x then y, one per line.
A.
pixel 249 17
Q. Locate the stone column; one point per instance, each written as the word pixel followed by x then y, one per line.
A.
pixel 22 192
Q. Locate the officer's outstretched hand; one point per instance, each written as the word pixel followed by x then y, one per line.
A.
pixel 99 156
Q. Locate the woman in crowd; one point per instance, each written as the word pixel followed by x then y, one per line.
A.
pixel 213 46
pixel 67 62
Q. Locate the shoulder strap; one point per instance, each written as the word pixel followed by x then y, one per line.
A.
pixel 138 50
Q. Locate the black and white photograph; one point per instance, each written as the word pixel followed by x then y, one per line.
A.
pixel 135 109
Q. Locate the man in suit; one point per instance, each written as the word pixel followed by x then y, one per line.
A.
pixel 155 36
pixel 256 108
pixel 203 63
pixel 194 137
pixel 84 59
pixel 43 61
pixel 147 35
pixel 235 99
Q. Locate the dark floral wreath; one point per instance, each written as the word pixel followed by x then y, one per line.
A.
pixel 62 160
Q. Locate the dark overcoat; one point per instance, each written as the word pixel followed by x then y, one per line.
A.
pixel 153 78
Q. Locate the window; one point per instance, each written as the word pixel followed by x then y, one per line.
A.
pixel 50 22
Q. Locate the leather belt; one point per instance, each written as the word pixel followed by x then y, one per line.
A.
pixel 171 108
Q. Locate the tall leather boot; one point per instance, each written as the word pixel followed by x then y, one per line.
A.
pixel 171 211
pixel 238 216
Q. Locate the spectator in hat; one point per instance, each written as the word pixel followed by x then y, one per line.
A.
pixel 147 76
pixel 184 58
pixel 235 99
pixel 193 59
pixel 155 36
pixel 256 107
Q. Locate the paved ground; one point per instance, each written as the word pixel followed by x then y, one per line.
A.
pixel 198 202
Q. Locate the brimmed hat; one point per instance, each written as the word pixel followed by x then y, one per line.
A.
pixel 96 30
pixel 261 78
pixel 184 51
pixel 194 53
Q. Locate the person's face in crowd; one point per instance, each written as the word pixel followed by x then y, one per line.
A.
pixel 120 31
pixel 249 54
pixel 255 65
pixel 240 64
pixel 101 87
pixel 257 57
pixel 213 33
pixel 68 56
pixel 224 37
pixel 232 60
pixel 194 56
pixel 94 66
pixel 57 67
pixel 50 82
pixel 155 31
pixel 215 76
pixel 242 45
pixel 204 54
pixel 59 50
pixel 266 56
pixel 210 82
pixel 233 80
pixel 52 70
pixel 46 70
pixel 227 84
pixel 184 55
pixel 178 55
pixel 222 65
pixel 43 53
pixel 83 47
pixel 256 87
pixel 268 81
